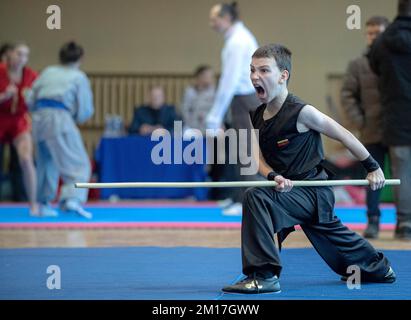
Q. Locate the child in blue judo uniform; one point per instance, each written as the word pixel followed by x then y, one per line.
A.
pixel 60 99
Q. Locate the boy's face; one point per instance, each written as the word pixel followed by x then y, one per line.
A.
pixel 268 80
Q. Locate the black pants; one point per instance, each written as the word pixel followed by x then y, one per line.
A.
pixel 378 152
pixel 266 212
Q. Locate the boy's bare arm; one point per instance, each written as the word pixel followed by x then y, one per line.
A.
pixel 311 118
pixel 318 121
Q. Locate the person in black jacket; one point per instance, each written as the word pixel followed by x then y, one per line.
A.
pixel 360 99
pixel 155 115
pixel 390 59
pixel 291 149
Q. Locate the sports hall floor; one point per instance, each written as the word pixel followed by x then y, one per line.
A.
pixel 169 250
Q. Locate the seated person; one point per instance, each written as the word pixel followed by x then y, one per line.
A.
pixel 198 99
pixel 155 115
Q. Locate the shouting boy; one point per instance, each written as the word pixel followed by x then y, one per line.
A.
pixel 291 149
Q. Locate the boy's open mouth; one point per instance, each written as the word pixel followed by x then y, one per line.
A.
pixel 260 90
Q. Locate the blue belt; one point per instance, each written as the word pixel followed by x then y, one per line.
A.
pixel 49 103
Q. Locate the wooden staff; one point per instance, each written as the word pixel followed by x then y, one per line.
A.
pixel 230 184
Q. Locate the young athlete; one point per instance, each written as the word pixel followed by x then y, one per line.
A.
pixel 60 99
pixel 15 126
pixel 291 149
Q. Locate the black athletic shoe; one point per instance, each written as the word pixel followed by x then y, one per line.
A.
pixel 390 277
pixel 403 233
pixel 253 284
pixel 373 228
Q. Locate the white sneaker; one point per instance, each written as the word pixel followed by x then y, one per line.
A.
pixel 44 211
pixel 74 205
pixel 224 203
pixel 236 209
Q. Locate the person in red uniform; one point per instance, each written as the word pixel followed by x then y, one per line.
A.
pixel 15 125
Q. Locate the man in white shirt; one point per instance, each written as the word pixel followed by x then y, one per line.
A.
pixel 235 91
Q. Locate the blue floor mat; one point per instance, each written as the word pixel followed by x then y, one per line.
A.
pixel 167 214
pixel 181 273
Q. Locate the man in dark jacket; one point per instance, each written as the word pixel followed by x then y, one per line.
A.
pixel 155 115
pixel 390 59
pixel 360 99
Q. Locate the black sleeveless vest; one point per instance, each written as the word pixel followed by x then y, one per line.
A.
pixel 294 155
